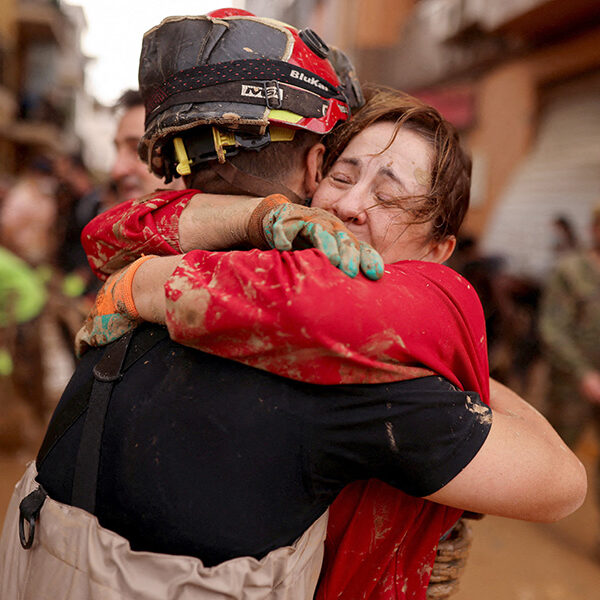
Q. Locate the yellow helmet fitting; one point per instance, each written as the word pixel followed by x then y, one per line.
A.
pixel 183 162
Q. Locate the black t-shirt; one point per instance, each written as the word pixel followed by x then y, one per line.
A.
pixel 207 457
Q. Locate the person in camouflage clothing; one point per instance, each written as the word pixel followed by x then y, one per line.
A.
pixel 570 330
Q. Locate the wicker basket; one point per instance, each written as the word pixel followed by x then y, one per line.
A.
pixel 449 562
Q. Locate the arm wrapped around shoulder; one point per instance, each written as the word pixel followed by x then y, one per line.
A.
pixel 523 470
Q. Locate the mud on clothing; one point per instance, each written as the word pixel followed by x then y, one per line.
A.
pixel 206 457
pixel 258 307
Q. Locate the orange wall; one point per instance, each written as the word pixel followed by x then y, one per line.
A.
pixel 507 111
pixel 379 22
pixel 7 21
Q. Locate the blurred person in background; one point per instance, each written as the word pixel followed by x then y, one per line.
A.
pixel 76 187
pixel 565 237
pixel 22 300
pixel 28 218
pixel 510 304
pixel 570 331
pixel 79 201
pixel 29 212
pixel 131 177
pixel 6 182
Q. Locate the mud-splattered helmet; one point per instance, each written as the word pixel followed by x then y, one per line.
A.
pixel 255 80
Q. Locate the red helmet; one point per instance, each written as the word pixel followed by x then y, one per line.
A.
pixel 242 73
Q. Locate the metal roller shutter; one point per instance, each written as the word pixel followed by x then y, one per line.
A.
pixel 561 175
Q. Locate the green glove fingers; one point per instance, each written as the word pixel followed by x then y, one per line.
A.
pixel 290 227
pixel 324 241
pixel 371 263
pixel 349 253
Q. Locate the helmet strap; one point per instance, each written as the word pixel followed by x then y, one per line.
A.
pixel 255 186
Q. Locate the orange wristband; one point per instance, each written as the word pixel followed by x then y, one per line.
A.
pixel 122 290
pixel 256 231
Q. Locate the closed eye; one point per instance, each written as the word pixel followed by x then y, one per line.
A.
pixel 387 202
pixel 341 178
pixel 345 171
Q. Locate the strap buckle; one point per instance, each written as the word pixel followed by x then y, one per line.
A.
pixel 29 510
pixel 273 94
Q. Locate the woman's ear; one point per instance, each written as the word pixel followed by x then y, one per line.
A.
pixel 314 168
pixel 441 250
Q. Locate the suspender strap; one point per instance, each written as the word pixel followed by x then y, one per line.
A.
pixel 106 374
pixel 145 337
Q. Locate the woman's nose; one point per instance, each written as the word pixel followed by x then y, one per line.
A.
pixel 351 206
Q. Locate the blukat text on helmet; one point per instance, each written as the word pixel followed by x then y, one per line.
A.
pixel 310 80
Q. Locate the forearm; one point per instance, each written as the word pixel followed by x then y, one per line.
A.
pixel 166 224
pixel 215 222
pixel 259 308
pixel 148 287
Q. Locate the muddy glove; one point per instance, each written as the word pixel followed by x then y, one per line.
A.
pixel 277 223
pixel 114 312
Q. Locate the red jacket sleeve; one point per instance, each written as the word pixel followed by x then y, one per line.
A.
pixel 132 228
pixel 295 315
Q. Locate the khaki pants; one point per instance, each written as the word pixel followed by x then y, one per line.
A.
pixel 73 557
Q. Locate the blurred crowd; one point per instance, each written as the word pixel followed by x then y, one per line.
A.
pixel 543 335
pixel 46 285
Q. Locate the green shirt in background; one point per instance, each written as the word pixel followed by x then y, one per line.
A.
pixel 22 293
pixel 570 315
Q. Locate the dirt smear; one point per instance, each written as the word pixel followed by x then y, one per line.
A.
pixel 483 414
pixel 389 430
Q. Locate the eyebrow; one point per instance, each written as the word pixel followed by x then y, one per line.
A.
pixel 383 171
pixel 354 162
pixel 387 172
pixel 128 139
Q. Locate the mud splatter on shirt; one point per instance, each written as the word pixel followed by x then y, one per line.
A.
pixel 257 308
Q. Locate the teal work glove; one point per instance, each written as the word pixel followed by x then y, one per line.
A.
pixel 286 226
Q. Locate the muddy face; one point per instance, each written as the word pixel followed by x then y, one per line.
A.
pixel 371 189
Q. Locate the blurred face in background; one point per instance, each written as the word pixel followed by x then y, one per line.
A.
pixel 130 175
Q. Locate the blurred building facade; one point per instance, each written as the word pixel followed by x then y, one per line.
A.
pixel 41 80
pixel 519 78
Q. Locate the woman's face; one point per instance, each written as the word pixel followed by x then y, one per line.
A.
pixel 367 188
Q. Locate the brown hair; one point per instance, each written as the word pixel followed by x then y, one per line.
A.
pixel 129 99
pixel 447 201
